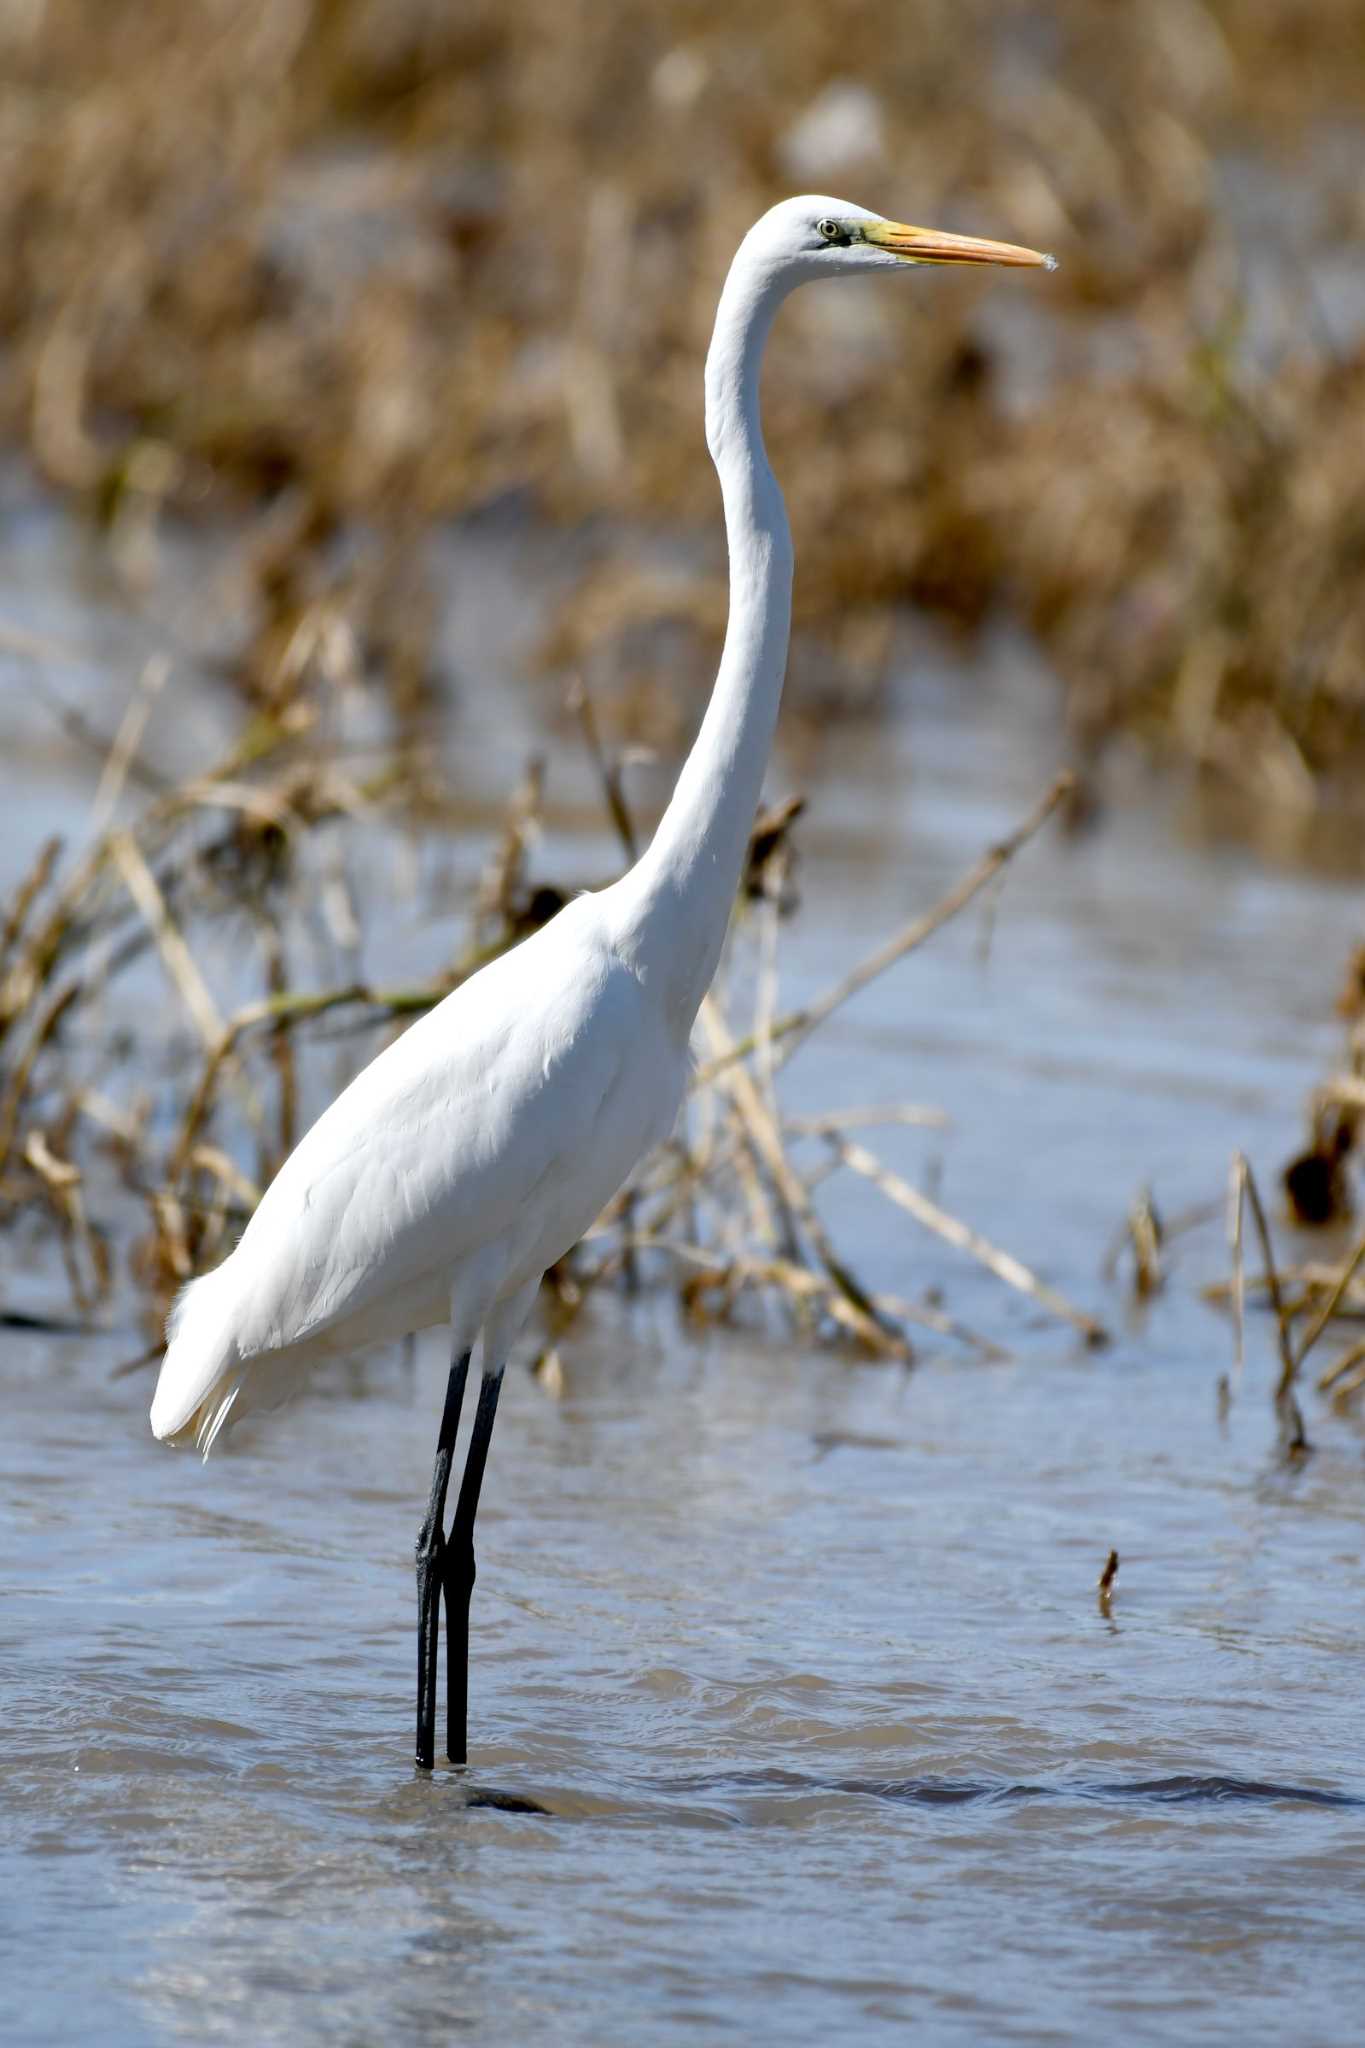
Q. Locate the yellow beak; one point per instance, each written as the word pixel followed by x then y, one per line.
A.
pixel 931 245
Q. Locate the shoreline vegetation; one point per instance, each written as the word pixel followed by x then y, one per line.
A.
pixel 726 1205
pixel 724 1213
pixel 334 273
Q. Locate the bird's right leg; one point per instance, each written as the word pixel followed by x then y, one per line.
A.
pixel 458 1571
pixel 431 1545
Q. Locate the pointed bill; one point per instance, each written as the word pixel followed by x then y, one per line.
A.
pixel 933 245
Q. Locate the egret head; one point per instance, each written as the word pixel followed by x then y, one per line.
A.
pixel 813 237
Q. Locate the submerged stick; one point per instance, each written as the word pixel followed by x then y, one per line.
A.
pixel 1003 1264
pixel 799 1281
pixel 1330 1305
pixel 1342 1378
pixel 1244 1181
pixel 1239 1281
pixel 1105 1585
pixel 762 1127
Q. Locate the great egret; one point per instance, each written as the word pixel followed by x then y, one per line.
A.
pixel 476 1149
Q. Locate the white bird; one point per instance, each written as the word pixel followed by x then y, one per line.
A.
pixel 477 1148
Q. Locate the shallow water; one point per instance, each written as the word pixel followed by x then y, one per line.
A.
pixel 794 1716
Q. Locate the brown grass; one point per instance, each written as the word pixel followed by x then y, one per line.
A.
pixel 242 855
pixel 364 264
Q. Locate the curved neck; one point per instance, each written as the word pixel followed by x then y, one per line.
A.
pixel 682 890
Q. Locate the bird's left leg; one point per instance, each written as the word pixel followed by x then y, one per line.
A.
pixel 457 1569
pixel 430 1558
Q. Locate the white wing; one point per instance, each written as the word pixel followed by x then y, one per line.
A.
pixel 437 1149
pixel 464 1159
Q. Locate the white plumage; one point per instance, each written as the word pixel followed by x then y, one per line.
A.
pixel 440 1185
pixel 478 1148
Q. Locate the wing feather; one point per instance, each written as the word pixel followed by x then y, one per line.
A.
pixel 435 1149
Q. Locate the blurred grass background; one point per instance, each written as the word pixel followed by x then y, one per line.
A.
pixel 362 265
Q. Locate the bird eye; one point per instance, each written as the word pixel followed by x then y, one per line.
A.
pixel 829 229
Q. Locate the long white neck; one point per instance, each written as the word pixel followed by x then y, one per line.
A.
pixel 682 890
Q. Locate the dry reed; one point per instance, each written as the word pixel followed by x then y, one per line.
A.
pixel 727 1209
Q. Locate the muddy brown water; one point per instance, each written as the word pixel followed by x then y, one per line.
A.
pixel 795 1717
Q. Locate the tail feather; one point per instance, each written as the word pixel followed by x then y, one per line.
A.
pixel 213 1413
pixel 201 1374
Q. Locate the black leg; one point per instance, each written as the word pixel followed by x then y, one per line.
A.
pixel 457 1569
pixel 430 1555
